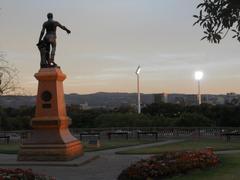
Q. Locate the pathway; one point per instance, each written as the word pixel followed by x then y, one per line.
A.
pixel 98 165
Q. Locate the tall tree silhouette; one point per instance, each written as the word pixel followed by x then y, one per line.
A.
pixel 8 77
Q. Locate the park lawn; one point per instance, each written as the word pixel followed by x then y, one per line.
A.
pixel 116 143
pixel 189 144
pixel 105 144
pixel 227 170
pixel 9 148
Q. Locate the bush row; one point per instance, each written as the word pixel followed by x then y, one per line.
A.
pixel 169 164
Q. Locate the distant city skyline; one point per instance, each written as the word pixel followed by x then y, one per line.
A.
pixel 110 38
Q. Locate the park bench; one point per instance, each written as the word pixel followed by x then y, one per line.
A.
pixel 94 140
pixel 228 135
pixel 109 134
pixel 147 133
pixel 94 143
pixel 90 134
pixel 6 138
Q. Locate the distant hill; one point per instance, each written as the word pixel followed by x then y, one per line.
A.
pixel 112 100
pixel 100 99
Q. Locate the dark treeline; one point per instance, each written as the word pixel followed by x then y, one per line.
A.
pixel 15 119
pixel 158 115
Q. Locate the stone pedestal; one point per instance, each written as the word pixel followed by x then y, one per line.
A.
pixel 51 139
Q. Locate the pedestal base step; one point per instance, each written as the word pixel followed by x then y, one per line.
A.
pixel 50 152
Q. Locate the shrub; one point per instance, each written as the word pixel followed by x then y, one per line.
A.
pixel 21 174
pixel 168 164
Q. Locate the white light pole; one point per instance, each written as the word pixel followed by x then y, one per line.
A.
pixel 138 89
pixel 1 75
pixel 198 77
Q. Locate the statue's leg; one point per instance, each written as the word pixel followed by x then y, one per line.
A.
pixel 53 50
pixel 48 53
pixel 45 62
pixel 53 45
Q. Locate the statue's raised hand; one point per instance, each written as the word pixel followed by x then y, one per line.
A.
pixel 68 31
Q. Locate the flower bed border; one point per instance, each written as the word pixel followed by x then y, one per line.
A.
pixel 169 164
pixel 22 174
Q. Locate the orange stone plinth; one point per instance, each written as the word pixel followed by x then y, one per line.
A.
pixel 51 139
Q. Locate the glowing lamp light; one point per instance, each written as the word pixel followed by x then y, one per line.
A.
pixel 198 75
pixel 138 70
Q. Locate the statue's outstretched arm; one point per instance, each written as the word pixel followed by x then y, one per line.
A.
pixel 63 28
pixel 42 33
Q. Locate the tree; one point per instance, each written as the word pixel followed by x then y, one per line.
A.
pixel 194 120
pixel 8 77
pixel 163 109
pixel 217 17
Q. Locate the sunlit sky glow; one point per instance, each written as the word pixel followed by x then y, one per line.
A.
pixel 110 38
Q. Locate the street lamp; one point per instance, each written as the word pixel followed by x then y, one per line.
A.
pixel 198 77
pixel 138 89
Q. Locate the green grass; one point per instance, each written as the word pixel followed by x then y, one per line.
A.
pixel 116 143
pixel 105 144
pixel 227 170
pixel 190 144
pixel 9 148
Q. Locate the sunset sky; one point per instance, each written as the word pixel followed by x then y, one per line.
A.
pixel 110 38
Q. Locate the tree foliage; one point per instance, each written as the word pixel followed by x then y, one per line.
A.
pixel 15 119
pixel 154 115
pixel 217 17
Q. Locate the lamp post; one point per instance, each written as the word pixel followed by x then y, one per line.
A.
pixel 1 91
pixel 138 89
pixel 198 77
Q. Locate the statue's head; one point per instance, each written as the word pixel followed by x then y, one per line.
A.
pixel 50 16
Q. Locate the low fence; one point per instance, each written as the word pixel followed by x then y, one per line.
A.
pixel 162 131
pixel 133 132
pixel 14 137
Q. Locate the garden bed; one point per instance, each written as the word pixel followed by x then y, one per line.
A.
pixel 169 164
pixel 21 174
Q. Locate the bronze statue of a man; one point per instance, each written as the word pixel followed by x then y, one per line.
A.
pixel 47 45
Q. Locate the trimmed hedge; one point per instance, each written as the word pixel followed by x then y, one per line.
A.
pixel 169 164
